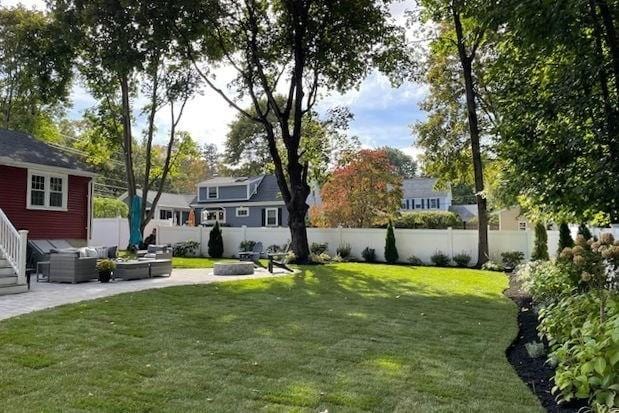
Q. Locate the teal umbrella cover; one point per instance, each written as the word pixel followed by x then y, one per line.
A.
pixel 135 235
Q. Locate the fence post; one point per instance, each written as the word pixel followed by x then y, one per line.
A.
pixel 244 232
pixel 118 231
pixel 202 250
pixel 21 265
pixel 450 234
pixel 527 239
pixel 339 234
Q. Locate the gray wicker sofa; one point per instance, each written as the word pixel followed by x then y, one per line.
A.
pixel 71 268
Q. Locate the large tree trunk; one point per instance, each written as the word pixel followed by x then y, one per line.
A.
pixel 127 141
pixel 471 106
pixel 611 39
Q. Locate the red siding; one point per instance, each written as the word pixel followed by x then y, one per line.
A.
pixel 71 224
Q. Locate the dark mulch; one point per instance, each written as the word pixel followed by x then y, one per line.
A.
pixel 536 373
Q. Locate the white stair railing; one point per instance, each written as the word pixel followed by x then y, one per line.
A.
pixel 13 246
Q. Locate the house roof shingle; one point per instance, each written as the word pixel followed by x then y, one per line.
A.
pixel 267 191
pixel 18 147
pixel 422 188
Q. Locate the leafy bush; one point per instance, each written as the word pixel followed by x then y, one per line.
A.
pixel 105 265
pixel 492 266
pixel 439 259
pixel 391 251
pixel 428 219
pixel 247 246
pixel 565 237
pixel 103 207
pixel 322 258
pixel 369 254
pixel 414 260
pixel 319 248
pixel 274 248
pixel 462 259
pixel 545 281
pixel 512 259
pixel 540 247
pixel 186 249
pixel 344 251
pixel 215 242
pixel 584 348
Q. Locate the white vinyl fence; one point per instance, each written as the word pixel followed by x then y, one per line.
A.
pixel 115 231
pixel 422 243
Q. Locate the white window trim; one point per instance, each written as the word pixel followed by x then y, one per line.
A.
pixel 266 217
pixel 47 176
pixel 212 221
pixel 238 209
pixel 208 192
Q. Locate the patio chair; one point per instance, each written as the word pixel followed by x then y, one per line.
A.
pixel 156 252
pixel 71 268
pixel 254 255
pixel 279 259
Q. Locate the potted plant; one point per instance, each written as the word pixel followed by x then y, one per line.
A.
pixel 105 268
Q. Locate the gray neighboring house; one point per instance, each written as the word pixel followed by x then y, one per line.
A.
pixel 253 201
pixel 170 206
pixel 419 195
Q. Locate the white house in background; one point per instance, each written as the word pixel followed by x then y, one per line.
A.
pixel 419 194
pixel 170 206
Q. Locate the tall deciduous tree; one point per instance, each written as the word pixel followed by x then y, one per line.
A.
pixel 365 192
pixel 404 164
pixel 127 47
pixel 557 84
pixel 299 47
pixel 35 69
pixel 455 125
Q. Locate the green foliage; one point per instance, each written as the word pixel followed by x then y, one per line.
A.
pixel 511 259
pixel 35 71
pixel 391 251
pixel 106 265
pixel 344 250
pixel 440 260
pixel 413 260
pixel 109 208
pixel 428 219
pixel 404 165
pixel 540 246
pixel 186 249
pixel 215 242
pixel 584 348
pixel 535 349
pixel 462 259
pixel 322 258
pixel 369 254
pixel 546 281
pixel 247 246
pixel 583 230
pixel 565 237
pixel 492 266
pixel 318 248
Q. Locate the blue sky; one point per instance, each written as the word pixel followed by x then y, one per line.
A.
pixel 382 114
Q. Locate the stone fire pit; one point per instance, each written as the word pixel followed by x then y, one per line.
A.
pixel 233 268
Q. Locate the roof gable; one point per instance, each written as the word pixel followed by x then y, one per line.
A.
pixel 422 188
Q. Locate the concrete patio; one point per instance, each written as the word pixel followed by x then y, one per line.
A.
pixel 44 295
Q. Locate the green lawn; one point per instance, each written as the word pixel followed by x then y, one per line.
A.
pixel 182 262
pixel 342 337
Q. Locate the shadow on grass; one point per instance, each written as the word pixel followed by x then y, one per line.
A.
pixel 346 337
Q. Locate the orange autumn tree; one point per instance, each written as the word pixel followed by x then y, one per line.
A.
pixel 364 192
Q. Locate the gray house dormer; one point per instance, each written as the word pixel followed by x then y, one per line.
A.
pixel 228 189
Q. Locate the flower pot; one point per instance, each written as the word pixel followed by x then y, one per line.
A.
pixel 105 276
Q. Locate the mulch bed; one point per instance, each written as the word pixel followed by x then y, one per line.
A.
pixel 535 372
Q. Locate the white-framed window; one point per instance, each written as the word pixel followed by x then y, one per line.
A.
pixel 212 192
pixel 165 214
pixel 47 191
pixel 522 225
pixel 242 212
pixel 271 217
pixel 210 216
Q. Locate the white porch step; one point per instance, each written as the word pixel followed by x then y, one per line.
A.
pixel 8 279
pixel 13 289
pixel 6 271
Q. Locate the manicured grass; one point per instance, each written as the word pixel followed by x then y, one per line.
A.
pixel 342 337
pixel 182 262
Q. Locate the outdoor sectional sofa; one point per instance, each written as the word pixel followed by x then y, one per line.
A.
pixel 71 268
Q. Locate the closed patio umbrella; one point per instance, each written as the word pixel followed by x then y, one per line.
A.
pixel 135 235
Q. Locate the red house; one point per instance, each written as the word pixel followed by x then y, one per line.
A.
pixel 44 191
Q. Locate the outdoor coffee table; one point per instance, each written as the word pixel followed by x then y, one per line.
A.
pixel 132 270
